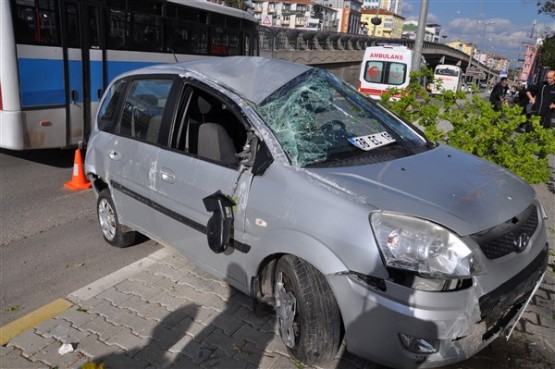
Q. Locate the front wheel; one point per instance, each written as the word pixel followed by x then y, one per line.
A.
pixel 109 223
pixel 308 315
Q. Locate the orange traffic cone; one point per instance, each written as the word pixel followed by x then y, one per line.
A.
pixel 78 180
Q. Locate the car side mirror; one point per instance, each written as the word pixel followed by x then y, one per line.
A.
pixel 220 224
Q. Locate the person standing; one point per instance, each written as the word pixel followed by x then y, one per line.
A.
pixel 543 102
pixel 498 94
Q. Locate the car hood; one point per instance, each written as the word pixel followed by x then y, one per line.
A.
pixel 447 186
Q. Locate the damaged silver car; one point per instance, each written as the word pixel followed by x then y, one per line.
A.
pixel 294 188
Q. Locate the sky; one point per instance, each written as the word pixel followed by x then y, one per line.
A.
pixel 495 26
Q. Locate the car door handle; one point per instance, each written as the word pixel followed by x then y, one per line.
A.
pixel 167 175
pixel 114 155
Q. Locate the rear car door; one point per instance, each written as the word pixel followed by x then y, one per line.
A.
pixel 132 151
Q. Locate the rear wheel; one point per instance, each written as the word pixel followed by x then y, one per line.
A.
pixel 109 223
pixel 308 315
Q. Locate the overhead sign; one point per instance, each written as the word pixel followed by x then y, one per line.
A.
pixel 503 73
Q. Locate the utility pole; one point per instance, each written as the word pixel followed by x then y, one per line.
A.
pixel 419 42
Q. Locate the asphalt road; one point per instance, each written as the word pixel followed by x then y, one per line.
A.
pixel 50 242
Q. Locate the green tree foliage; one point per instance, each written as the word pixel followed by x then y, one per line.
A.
pixel 547 52
pixel 239 4
pixel 476 127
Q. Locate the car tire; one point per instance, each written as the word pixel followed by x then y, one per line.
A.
pixel 308 316
pixel 109 222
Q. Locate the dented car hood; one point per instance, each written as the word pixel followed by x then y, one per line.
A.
pixel 467 194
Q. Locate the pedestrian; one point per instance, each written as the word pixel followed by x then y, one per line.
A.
pixel 498 94
pixel 543 102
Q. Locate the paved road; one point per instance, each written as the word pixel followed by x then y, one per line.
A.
pixel 50 242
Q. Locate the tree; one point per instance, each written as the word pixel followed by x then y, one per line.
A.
pixel 239 4
pixel 546 7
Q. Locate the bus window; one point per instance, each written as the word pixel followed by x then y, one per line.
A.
pixel 73 33
pixel 36 22
pixel 374 71
pixel 397 73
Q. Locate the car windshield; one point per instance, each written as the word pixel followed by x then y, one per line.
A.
pixel 320 120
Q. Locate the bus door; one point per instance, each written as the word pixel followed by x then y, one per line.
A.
pixel 84 69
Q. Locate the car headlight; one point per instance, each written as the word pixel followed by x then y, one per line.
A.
pixel 422 246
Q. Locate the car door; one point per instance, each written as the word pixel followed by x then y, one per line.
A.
pixel 202 161
pixel 133 150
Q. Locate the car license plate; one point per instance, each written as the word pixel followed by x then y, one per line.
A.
pixel 373 141
pixel 524 306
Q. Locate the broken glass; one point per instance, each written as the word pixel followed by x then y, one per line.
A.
pixel 314 115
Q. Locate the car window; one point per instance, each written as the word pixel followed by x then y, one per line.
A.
pixel 319 119
pixel 208 127
pixel 143 108
pixel 106 113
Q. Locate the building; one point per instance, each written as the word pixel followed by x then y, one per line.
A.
pixel 530 52
pixel 393 6
pixel 431 31
pixel 390 27
pixel 296 14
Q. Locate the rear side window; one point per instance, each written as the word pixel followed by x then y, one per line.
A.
pixel 107 111
pixel 143 108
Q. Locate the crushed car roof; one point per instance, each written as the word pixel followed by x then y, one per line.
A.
pixel 252 77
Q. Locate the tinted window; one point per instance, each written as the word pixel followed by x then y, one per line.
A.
pixel 36 22
pixel 143 108
pixel 107 111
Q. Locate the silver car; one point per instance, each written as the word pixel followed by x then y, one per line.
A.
pixel 294 188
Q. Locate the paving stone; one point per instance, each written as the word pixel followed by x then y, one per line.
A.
pixel 158 356
pixel 30 343
pixel 110 312
pixel 248 316
pixel 101 328
pixel 129 342
pixel 50 356
pixel 45 327
pixel 77 318
pixel 271 326
pixel 247 333
pixel 189 293
pixel 137 324
pixel 227 307
pixel 252 354
pixel 184 362
pixel 206 316
pixel 136 288
pixel 198 331
pixel 223 342
pixel 220 360
pixel 171 303
pixel 197 352
pixel 284 362
pixel 165 270
pixel 12 358
pixel 184 314
pixel 121 361
pixel 93 347
pixel 114 296
pixel 145 277
pixel 228 325
pixel 64 332
pixel 538 329
pixel 180 345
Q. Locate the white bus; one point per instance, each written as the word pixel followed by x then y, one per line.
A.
pixel 57 56
pixel 451 78
pixel 384 67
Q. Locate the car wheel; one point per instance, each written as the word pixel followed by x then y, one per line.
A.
pixel 109 223
pixel 307 313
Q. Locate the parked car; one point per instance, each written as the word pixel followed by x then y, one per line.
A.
pixel 302 193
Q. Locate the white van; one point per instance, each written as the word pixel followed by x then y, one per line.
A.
pixel 384 67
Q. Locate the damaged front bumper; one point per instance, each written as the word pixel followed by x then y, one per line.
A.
pixel 405 328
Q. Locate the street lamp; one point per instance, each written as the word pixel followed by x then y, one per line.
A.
pixel 486 24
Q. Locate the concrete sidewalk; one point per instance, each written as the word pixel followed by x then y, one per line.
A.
pixel 165 312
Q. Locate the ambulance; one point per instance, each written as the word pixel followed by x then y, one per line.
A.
pixel 384 67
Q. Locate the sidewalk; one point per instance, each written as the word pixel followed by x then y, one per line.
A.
pixel 164 312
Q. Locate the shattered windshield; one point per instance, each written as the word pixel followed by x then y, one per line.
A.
pixel 319 119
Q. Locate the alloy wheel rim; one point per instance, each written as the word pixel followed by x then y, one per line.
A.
pixel 286 310
pixel 107 219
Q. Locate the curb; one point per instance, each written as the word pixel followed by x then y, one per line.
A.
pixel 56 307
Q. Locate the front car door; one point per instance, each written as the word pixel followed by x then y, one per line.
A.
pixel 202 160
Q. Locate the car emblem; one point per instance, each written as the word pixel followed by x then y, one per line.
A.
pixel 521 242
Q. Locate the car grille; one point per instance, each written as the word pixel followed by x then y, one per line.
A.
pixel 498 307
pixel 504 238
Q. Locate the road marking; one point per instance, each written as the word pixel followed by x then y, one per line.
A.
pixel 33 319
